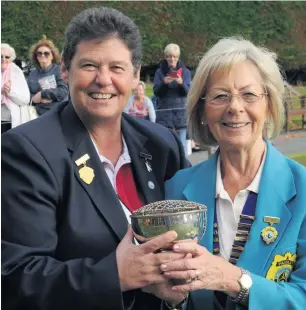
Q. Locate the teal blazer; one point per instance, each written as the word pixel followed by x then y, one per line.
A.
pixel 282 193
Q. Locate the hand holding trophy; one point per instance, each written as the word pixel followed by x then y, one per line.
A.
pixel 187 218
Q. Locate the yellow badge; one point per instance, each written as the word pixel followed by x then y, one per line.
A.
pixel 269 234
pixel 87 174
pixel 281 267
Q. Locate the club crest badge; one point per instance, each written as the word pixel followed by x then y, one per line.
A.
pixel 269 233
pixel 87 174
pixel 281 267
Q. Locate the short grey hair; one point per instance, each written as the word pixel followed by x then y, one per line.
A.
pixel 223 56
pixel 172 48
pixel 11 49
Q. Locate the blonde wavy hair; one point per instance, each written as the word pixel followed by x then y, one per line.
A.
pixel 223 56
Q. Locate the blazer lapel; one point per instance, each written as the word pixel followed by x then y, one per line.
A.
pixel 100 189
pixel 145 179
pixel 276 189
pixel 202 189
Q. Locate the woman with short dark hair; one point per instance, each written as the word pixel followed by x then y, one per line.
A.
pixel 74 176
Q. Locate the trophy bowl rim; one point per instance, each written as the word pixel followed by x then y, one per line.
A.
pixel 168 213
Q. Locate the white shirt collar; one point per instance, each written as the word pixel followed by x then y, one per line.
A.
pixel 123 159
pixel 254 186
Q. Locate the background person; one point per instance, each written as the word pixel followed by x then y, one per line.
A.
pixel 14 89
pixel 65 243
pixel 254 251
pixel 171 86
pixel 140 105
pixel 45 83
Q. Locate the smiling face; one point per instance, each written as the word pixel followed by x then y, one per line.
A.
pixel 101 78
pixel 139 91
pixel 44 56
pixel 236 124
pixel 172 60
pixel 6 58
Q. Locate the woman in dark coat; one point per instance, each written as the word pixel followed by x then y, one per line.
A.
pixel 171 86
pixel 46 85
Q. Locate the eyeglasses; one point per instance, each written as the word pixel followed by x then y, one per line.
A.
pixel 225 98
pixel 6 57
pixel 40 54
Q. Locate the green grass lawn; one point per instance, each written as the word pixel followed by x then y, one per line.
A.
pixel 299 157
pixel 149 90
pixel 301 89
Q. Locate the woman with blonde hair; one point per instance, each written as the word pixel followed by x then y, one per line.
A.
pixel 14 90
pixel 140 105
pixel 171 85
pixel 45 83
pixel 253 253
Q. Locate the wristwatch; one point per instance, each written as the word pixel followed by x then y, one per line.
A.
pixel 245 282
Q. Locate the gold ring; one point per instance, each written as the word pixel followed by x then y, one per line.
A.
pixel 196 277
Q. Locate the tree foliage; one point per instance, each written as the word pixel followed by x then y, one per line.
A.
pixel 194 25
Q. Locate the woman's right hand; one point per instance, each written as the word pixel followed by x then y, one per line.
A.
pixel 139 265
pixel 37 98
pixel 7 87
pixel 168 79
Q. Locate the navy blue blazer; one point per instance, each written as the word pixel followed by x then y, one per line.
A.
pixel 278 269
pixel 59 234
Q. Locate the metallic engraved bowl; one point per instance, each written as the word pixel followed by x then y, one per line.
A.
pixel 187 218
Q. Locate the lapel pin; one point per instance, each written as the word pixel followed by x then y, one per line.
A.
pixel 149 168
pixel 87 174
pixel 146 158
pixel 269 233
pixel 151 185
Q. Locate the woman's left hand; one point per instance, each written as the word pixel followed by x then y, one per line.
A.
pixel 164 291
pixel 179 80
pixel 206 271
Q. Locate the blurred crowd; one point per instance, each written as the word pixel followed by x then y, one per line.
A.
pixel 28 92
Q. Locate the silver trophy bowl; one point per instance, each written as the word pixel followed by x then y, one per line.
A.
pixel 187 218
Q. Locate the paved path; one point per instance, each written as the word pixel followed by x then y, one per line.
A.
pixel 293 142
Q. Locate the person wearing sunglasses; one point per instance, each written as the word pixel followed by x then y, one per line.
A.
pixel 45 83
pixel 14 89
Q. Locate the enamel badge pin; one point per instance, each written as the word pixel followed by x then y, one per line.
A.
pixel 269 233
pixel 146 158
pixel 87 174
